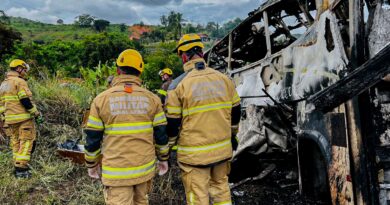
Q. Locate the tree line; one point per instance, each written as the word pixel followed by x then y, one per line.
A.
pixel 66 58
pixel 173 25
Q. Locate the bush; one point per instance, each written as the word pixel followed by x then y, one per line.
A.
pixel 62 102
pixel 96 78
pixel 69 56
pixel 159 57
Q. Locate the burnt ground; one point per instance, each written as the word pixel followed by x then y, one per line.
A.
pixel 275 188
pixel 279 187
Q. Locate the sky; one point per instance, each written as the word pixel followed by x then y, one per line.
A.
pixel 129 11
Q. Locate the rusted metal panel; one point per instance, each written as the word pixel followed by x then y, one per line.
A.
pixel 76 156
pixel 337 128
pixel 358 159
pixel 339 177
pixel 341 188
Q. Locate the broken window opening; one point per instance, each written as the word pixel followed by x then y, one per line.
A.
pixel 286 23
pixel 342 15
pixel 328 36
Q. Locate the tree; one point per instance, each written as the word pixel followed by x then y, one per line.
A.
pixel 230 25
pixel 211 26
pixel 160 57
pixel 189 28
pixel 179 20
pixel 84 20
pixel 100 25
pixel 8 37
pixel 164 20
pixel 104 47
pixel 123 27
pixel 60 21
pixel 4 18
pixel 174 23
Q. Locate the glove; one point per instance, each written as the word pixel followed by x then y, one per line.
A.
pixel 162 167
pixel 95 172
pixel 39 119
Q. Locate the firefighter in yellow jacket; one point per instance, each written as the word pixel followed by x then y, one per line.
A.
pixel 133 124
pixel 166 75
pixel 203 104
pixel 18 112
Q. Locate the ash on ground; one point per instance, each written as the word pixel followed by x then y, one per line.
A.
pixel 279 187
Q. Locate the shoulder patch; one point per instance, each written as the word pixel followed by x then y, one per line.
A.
pixel 177 80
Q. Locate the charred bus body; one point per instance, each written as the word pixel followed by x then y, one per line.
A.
pixel 309 73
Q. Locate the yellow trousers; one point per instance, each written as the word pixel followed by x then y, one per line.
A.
pixel 22 137
pixel 202 183
pixel 128 195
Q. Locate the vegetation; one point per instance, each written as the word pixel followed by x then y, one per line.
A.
pixel 68 56
pixel 8 36
pixel 42 33
pixel 160 56
pixel 173 26
pixel 56 180
pixel 69 67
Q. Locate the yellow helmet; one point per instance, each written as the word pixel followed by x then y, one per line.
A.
pixel 17 62
pixel 187 42
pixel 165 71
pixel 130 58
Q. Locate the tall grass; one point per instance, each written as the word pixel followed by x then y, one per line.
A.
pixel 56 180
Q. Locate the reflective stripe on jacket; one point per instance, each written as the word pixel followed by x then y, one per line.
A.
pixel 203 99
pixel 127 114
pixel 12 90
pixel 162 92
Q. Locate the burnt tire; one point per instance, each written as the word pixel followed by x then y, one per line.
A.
pixel 313 166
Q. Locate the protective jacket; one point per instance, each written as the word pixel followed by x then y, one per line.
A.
pixel 202 100
pixel 15 102
pixel 132 121
pixel 162 92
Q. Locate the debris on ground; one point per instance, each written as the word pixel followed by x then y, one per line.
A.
pixel 70 149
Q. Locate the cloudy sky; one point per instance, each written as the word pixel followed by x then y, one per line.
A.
pixel 129 11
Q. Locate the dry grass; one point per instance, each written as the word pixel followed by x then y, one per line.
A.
pixel 58 181
pixel 54 181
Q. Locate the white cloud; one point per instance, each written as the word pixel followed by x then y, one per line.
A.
pixel 130 11
pixel 33 14
pixel 215 2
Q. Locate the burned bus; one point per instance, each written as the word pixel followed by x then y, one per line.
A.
pixel 312 78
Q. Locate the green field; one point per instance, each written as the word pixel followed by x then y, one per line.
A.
pixel 37 31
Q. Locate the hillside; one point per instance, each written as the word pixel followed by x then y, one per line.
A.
pixel 37 31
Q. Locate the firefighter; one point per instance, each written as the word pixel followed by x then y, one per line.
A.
pixel 204 105
pixel 18 111
pixel 166 77
pixel 133 124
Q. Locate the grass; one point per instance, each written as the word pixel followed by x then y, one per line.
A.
pixel 59 181
pixel 54 181
pixel 33 30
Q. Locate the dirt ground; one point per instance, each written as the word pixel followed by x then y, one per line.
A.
pixel 279 187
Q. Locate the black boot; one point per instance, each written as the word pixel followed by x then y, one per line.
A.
pixel 22 173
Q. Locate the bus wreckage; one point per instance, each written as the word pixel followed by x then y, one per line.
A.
pixel 312 78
